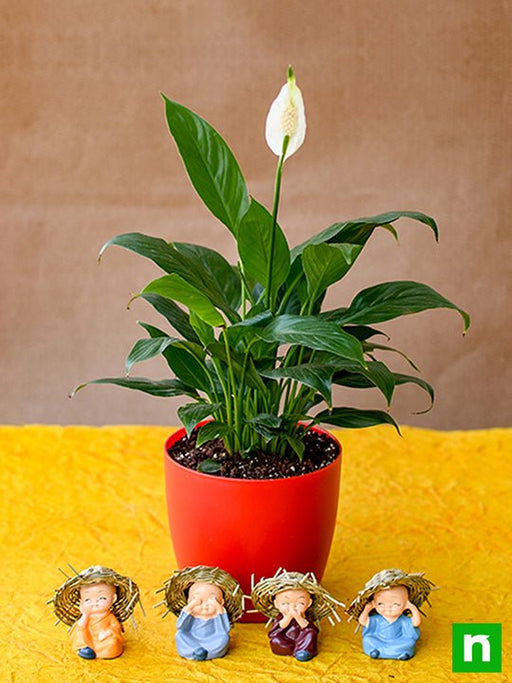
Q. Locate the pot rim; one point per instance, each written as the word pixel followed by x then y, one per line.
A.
pixel 218 478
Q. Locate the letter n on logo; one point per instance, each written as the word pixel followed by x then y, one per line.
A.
pixel 476 648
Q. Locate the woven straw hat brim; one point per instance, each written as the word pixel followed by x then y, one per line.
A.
pixel 418 586
pixel 177 585
pixel 264 592
pixel 66 600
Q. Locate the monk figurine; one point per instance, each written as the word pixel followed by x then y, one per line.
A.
pixel 98 633
pixel 295 603
pixel 388 610
pixel 94 603
pixel 207 601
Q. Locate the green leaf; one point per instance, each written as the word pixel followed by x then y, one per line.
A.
pixel 193 413
pixel 246 329
pixel 325 264
pixel 175 287
pixel 185 362
pixel 254 247
pixel 370 347
pixel 410 379
pixel 393 299
pixel 267 419
pixel 184 358
pixel 174 315
pixel 314 375
pixel 353 418
pixel 209 271
pixel 313 333
pixel 209 466
pixel 144 349
pixel 360 230
pixel 210 164
pixel 166 388
pixel 205 332
pixel 265 424
pixel 212 430
pixel 376 374
pixel 153 248
pixel 205 269
pixel 297 445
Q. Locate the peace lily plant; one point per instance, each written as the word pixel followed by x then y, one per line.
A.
pixel 252 347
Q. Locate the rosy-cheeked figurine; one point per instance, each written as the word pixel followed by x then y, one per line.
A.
pixel 207 602
pixel 294 603
pixel 94 602
pixel 388 609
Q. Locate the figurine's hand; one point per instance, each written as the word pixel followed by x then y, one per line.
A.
pixel 364 616
pixel 287 618
pixel 83 620
pixel 301 620
pixel 217 607
pixel 191 606
pixel 104 634
pixel 415 613
pixel 299 617
pixel 86 611
pixel 297 611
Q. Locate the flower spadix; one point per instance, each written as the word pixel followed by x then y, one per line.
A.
pixel 286 118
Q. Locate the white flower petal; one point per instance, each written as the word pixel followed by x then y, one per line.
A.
pixel 286 117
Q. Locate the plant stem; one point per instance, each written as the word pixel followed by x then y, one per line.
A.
pixel 275 208
pixel 227 401
pixel 232 390
pixel 289 292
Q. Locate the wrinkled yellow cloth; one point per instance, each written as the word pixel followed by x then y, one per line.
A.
pixel 430 501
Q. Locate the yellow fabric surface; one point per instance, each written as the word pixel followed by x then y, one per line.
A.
pixel 433 501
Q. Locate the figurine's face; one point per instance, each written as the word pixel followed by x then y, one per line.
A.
pixel 296 601
pixel 391 602
pixel 205 599
pixel 97 598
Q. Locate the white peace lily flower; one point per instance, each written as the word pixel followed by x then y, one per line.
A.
pixel 286 118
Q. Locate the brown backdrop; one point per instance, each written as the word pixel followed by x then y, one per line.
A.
pixel 408 107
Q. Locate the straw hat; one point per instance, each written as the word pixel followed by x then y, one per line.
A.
pixel 176 589
pixel 67 598
pixel 418 586
pixel 264 592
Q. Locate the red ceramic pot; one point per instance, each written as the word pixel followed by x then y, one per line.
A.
pixel 252 527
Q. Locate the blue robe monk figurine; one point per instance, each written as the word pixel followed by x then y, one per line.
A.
pixel 388 610
pixel 390 634
pixel 207 601
pixel 203 625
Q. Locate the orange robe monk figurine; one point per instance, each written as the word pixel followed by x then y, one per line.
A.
pixel 95 602
pixel 97 633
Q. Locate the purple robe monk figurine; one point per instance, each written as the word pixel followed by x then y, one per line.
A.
pixel 295 602
pixel 292 633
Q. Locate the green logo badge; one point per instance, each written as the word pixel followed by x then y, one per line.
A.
pixel 476 648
